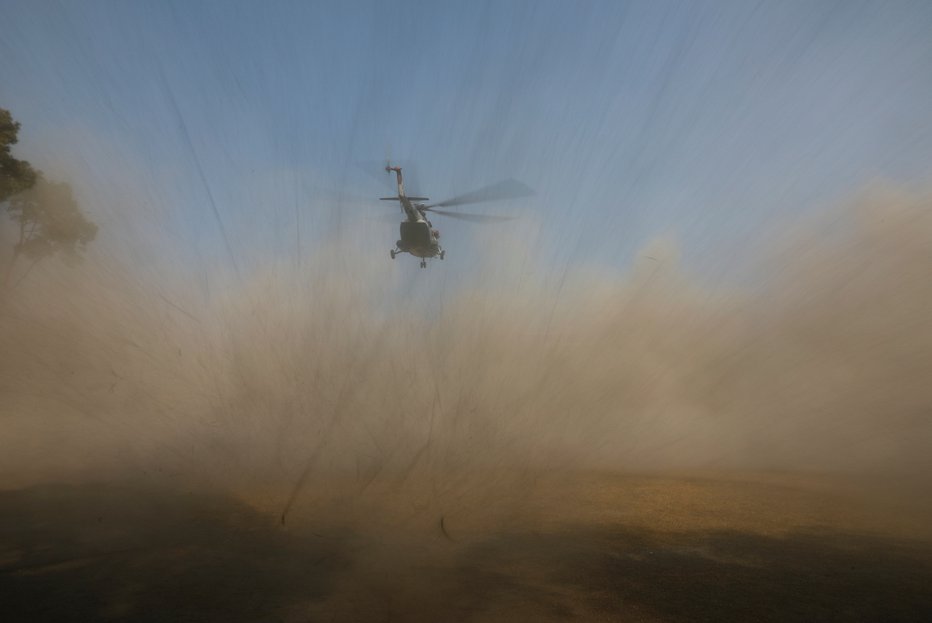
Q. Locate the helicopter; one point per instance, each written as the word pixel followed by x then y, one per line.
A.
pixel 418 236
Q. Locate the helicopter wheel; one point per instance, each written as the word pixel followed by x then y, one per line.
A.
pixel 423 263
pixel 393 253
pixel 442 253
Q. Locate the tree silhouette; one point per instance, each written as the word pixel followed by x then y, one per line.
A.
pixel 49 219
pixel 15 175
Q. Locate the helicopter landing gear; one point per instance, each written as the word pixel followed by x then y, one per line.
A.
pixel 442 253
pixel 393 253
pixel 423 263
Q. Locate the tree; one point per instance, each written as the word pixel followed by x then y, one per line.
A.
pixel 15 175
pixel 49 219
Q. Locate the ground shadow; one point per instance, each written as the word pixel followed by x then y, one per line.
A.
pixel 637 574
pixel 88 553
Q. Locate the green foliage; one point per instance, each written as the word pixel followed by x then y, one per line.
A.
pixel 15 175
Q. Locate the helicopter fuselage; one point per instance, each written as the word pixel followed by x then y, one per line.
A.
pixel 418 238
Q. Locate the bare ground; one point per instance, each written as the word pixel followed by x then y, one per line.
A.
pixel 588 547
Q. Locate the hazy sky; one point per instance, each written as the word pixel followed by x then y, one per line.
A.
pixel 630 119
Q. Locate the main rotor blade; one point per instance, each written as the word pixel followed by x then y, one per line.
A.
pixel 508 189
pixel 475 218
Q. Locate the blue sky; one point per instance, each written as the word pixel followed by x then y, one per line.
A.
pixel 709 121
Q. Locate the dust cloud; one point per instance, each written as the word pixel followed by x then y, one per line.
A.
pixel 819 361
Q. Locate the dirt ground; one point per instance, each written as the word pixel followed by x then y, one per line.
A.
pixel 587 547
